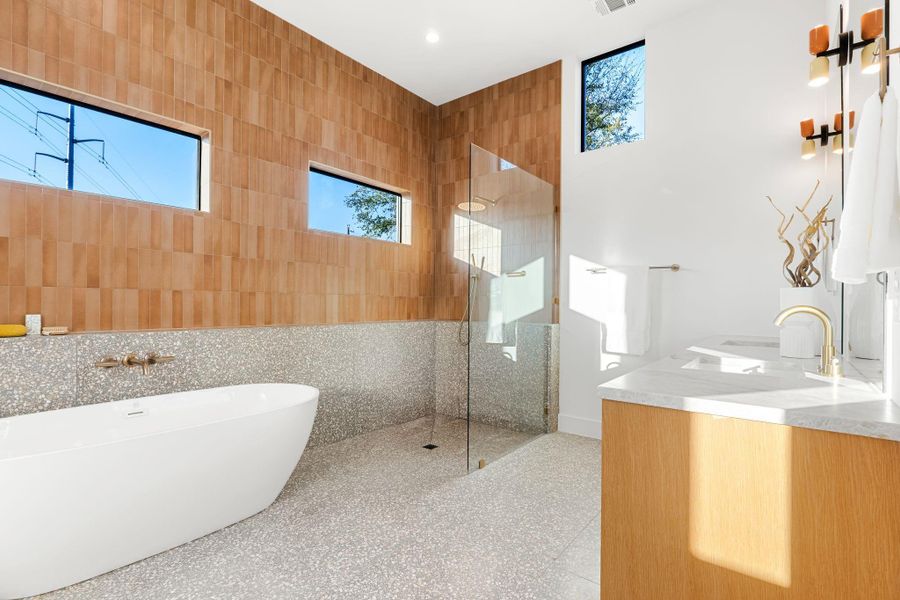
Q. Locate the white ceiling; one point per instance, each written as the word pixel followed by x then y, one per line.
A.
pixel 482 41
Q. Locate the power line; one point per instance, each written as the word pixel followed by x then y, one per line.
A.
pixel 35 110
pixel 23 168
pixel 16 119
pixel 29 171
pixel 102 160
pixel 31 107
pixel 124 159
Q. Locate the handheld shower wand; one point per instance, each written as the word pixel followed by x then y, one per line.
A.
pixel 471 297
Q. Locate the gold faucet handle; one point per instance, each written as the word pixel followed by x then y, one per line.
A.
pixel 156 359
pixel 836 369
pixel 108 362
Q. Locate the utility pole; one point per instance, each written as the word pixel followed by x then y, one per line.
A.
pixel 70 145
pixel 70 153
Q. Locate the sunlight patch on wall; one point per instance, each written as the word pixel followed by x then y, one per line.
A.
pixel 585 288
pixel 523 295
pixel 471 237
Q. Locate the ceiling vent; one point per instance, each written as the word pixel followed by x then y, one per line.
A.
pixel 605 7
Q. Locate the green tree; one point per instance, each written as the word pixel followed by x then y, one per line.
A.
pixel 375 212
pixel 611 93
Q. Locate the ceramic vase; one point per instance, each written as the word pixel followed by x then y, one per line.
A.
pixel 801 335
pixel 867 321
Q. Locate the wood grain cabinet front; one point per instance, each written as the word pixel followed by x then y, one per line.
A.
pixel 698 507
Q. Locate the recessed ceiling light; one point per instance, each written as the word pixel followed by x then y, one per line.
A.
pixel 432 37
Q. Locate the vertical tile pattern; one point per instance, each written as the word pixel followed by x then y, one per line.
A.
pixel 519 120
pixel 272 98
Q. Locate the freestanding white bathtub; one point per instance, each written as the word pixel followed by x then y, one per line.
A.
pixel 89 489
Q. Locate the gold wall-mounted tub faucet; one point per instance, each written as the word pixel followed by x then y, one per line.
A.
pixel 132 360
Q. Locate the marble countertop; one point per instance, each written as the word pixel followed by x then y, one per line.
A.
pixel 745 378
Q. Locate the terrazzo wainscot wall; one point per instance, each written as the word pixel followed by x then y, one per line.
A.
pixel 512 386
pixel 371 375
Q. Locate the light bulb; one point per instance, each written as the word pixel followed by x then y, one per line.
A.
pixel 432 37
pixel 808 150
pixel 818 71
pixel 837 144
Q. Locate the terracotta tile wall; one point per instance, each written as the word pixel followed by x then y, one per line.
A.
pixel 518 119
pixel 273 98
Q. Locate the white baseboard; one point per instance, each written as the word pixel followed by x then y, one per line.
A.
pixel 580 426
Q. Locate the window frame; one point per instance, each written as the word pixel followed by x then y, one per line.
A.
pixel 200 139
pixel 584 66
pixel 403 205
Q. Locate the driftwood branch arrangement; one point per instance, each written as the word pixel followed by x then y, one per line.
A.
pixel 812 240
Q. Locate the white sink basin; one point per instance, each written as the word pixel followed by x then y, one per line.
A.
pixel 738 365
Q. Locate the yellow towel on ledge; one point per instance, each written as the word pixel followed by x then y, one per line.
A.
pixel 12 331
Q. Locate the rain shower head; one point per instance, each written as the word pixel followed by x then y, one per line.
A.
pixel 476 204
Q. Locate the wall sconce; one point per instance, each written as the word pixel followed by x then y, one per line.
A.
pixel 808 132
pixel 871 27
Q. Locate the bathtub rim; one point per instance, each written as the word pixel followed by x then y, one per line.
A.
pixel 313 398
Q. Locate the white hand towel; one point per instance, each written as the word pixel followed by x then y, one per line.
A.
pixel 625 310
pixel 852 254
pixel 884 243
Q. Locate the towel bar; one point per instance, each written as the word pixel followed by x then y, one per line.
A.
pixel 674 267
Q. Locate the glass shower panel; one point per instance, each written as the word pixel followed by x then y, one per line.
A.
pixel 511 252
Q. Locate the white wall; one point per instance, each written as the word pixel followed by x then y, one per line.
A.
pixel 725 91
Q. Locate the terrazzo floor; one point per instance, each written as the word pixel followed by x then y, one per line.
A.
pixel 379 517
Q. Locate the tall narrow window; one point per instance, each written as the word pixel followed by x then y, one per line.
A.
pixel 52 141
pixel 344 205
pixel 613 98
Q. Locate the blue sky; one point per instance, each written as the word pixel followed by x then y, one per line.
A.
pixel 144 163
pixel 636 117
pixel 327 210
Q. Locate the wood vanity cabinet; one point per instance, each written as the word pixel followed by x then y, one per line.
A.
pixel 699 507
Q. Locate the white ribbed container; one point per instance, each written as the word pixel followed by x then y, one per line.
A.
pixel 801 335
pixel 866 322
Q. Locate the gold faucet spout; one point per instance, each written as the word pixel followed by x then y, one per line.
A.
pixel 131 360
pixel 830 366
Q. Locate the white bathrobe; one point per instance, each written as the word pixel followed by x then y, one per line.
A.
pixel 870 223
pixel 884 243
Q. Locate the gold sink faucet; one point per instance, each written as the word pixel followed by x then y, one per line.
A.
pixel 831 364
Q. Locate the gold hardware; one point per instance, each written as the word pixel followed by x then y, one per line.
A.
pixel 155 359
pixel 108 362
pixel 516 274
pixel 131 360
pixel 831 364
pixel 482 463
pixel 673 267
pixel 881 54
